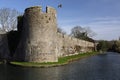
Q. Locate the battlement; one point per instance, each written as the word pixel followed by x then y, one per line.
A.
pixel 39 39
pixel 35 15
pixel 39 9
pixel 33 8
pixel 50 10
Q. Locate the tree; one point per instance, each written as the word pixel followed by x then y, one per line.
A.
pixel 8 19
pixel 113 45
pixel 82 33
pixel 103 45
pixel 60 30
pixel 118 43
pixel 116 46
pixel 77 32
pixel 89 32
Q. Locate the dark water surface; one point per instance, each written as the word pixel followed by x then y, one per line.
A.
pixel 100 67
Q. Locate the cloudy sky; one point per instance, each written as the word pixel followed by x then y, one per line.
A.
pixel 102 16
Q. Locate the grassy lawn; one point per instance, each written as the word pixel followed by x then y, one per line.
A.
pixel 61 61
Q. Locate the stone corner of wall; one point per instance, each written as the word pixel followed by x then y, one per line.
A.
pixel 50 9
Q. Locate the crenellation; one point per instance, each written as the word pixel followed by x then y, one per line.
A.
pixel 40 41
pixel 33 9
pixel 50 10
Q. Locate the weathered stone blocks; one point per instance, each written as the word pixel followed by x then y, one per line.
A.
pixel 38 37
pixel 40 41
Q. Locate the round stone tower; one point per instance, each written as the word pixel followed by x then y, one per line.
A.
pixel 38 36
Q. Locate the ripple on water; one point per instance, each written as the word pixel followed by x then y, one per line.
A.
pixel 100 67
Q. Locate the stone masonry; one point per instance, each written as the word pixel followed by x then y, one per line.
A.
pixel 38 36
pixel 40 41
pixel 4 49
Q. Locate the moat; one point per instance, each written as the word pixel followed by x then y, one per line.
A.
pixel 100 67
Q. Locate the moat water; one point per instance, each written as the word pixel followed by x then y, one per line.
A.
pixel 100 67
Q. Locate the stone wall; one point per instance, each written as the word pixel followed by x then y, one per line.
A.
pixel 37 39
pixel 4 50
pixel 68 45
pixel 40 42
pixel 38 35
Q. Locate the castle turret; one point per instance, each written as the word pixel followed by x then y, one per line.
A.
pixel 38 36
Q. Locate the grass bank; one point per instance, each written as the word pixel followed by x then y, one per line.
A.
pixel 0 62
pixel 61 61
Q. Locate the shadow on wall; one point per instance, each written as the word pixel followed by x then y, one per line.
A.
pixel 13 40
pixel 4 51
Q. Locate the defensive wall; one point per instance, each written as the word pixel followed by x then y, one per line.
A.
pixel 39 40
pixel 68 45
pixel 4 49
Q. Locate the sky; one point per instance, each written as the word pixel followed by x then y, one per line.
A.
pixel 102 16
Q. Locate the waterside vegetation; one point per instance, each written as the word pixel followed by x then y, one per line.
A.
pixel 113 46
pixel 61 61
pixel 0 62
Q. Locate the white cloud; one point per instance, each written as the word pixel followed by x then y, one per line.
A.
pixel 0 25
pixel 106 28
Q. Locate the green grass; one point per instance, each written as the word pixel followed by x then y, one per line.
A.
pixel 61 61
pixel 0 62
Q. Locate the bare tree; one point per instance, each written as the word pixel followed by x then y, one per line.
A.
pixel 8 19
pixel 77 31
pixel 82 33
pixel 60 30
pixel 89 32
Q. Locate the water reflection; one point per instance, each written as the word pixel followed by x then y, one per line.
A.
pixel 100 67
